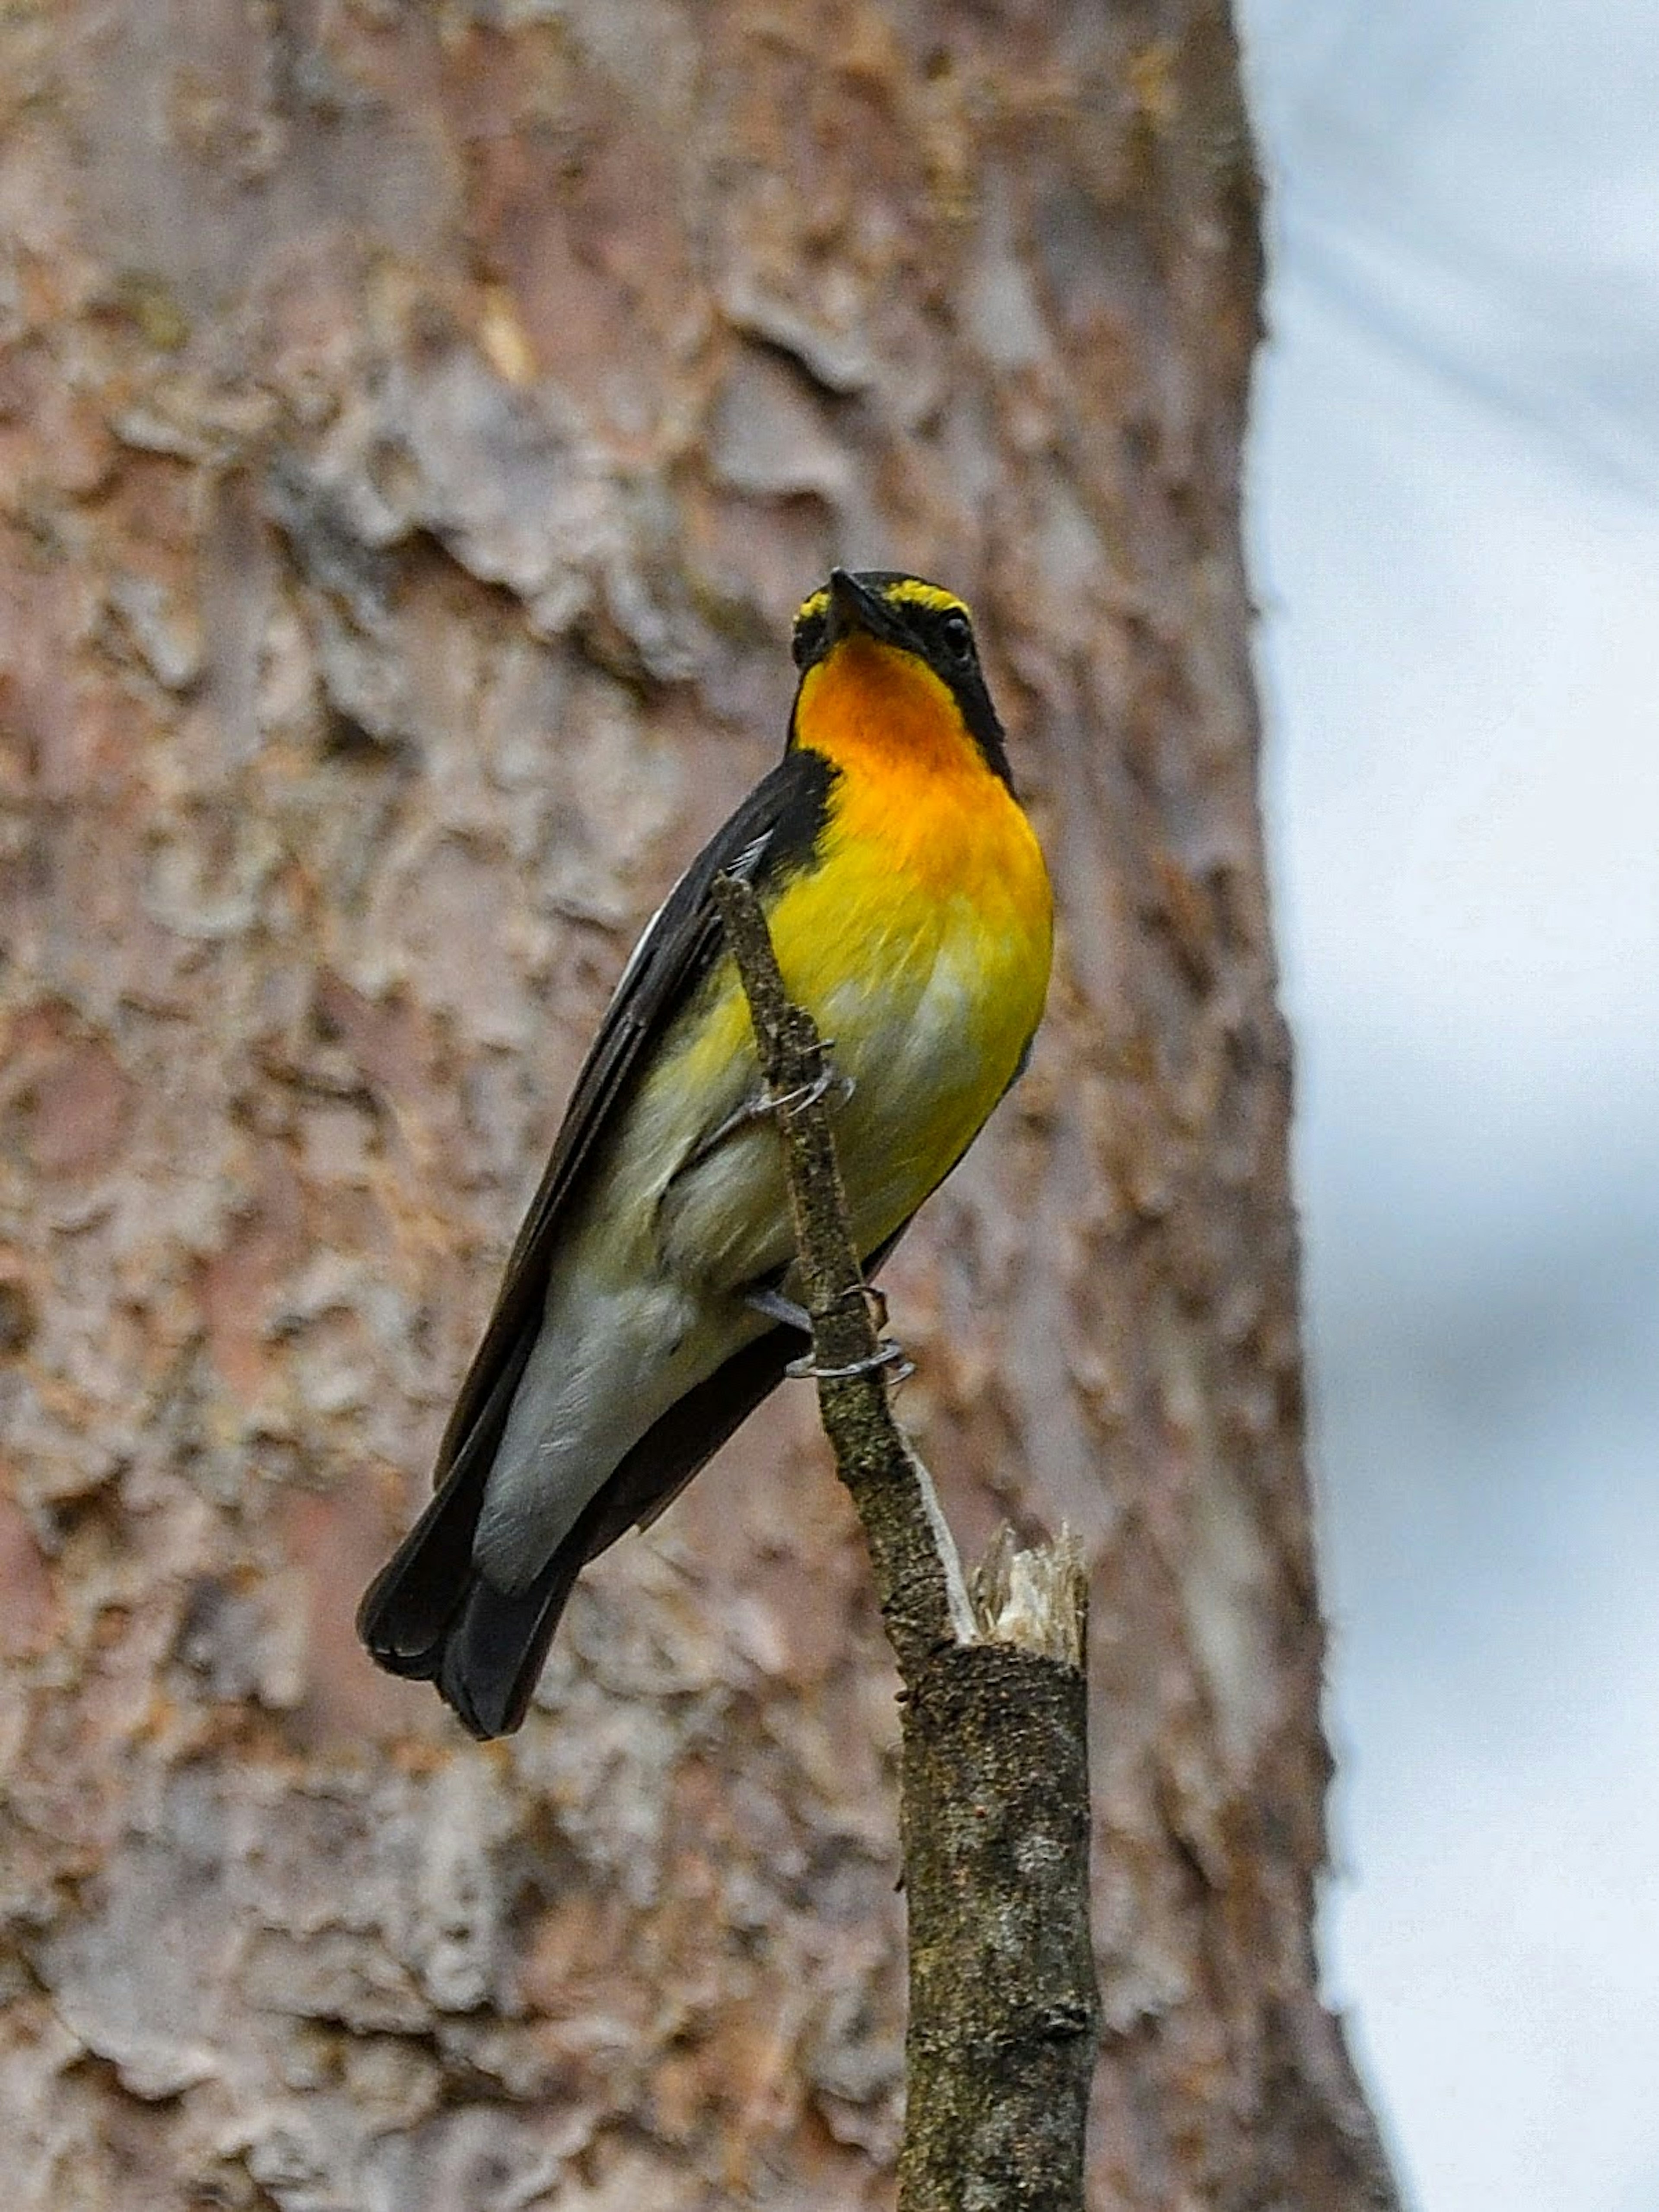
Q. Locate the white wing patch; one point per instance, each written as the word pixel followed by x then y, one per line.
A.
pixel 744 867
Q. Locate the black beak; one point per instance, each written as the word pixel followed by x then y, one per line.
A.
pixel 853 606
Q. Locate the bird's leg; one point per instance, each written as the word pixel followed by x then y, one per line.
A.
pixel 776 1307
pixel 763 1103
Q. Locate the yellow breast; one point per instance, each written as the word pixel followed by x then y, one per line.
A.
pixel 918 935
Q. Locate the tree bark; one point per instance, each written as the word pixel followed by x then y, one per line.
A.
pixel 417 428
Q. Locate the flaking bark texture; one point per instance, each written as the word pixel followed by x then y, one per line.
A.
pixel 417 424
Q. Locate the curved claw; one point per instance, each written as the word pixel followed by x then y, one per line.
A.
pixel 827 1079
pixel 888 1355
pixel 767 1103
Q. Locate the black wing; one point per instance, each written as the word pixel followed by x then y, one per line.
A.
pixel 406 1612
pixel 775 826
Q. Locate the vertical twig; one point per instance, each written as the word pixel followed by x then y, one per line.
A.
pixel 995 1817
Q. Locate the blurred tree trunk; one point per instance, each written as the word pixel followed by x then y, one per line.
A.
pixel 417 424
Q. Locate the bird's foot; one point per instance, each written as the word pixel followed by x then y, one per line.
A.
pixel 764 1104
pixel 827 1080
pixel 886 1354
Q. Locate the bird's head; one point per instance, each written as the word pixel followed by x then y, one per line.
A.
pixel 874 645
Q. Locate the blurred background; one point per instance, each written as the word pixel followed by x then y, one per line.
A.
pixel 1456 551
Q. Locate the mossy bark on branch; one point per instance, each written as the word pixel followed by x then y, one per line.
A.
pixel 1004 2009
pixel 1004 2015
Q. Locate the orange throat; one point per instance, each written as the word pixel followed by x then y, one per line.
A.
pixel 916 799
pixel 868 707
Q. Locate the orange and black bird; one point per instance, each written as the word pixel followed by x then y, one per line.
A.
pixel 644 1312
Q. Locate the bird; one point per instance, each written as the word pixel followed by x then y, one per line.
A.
pixel 646 1310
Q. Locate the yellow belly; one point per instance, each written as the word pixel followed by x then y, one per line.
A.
pixel 919 941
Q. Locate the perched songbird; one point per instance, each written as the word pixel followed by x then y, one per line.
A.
pixel 639 1322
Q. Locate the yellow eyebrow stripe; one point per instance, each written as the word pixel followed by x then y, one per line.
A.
pixel 911 592
pixel 908 591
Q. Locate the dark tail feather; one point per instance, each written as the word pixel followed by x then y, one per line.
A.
pixel 430 1612
pixel 493 1654
pixel 494 1651
pixel 430 1615
pixel 405 1614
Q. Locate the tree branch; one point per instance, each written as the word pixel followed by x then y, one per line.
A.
pixel 994 1818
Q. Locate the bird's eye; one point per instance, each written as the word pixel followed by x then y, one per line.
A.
pixel 958 636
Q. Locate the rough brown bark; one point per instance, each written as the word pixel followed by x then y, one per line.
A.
pixel 416 426
pixel 1003 2013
